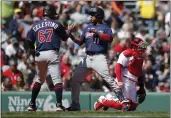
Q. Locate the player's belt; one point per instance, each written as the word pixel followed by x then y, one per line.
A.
pixel 130 79
pixel 94 53
pixel 57 50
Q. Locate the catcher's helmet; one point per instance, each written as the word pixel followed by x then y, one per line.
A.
pixel 97 12
pixel 138 43
pixel 49 11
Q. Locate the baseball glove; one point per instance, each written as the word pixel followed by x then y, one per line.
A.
pixel 141 95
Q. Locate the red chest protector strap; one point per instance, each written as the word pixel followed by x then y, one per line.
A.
pixel 135 65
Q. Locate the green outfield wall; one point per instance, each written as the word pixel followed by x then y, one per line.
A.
pixel 18 101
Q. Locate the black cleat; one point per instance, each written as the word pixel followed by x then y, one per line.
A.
pixel 32 107
pixel 105 108
pixel 59 107
pixel 125 106
pixel 72 109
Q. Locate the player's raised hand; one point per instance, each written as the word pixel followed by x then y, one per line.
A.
pixel 71 26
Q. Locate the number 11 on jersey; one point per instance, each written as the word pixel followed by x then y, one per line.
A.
pixel 96 40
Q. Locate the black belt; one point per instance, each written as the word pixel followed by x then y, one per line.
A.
pixel 130 79
pixel 94 53
pixel 38 52
pixel 50 49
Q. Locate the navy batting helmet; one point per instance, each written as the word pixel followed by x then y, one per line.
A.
pixel 97 12
pixel 49 11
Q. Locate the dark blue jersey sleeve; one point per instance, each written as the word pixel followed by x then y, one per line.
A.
pixel 62 32
pixel 30 36
pixel 30 39
pixel 82 37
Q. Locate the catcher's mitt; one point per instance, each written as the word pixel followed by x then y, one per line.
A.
pixel 141 95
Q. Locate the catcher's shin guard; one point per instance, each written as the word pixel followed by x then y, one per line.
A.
pixel 116 104
pixel 99 103
pixel 112 104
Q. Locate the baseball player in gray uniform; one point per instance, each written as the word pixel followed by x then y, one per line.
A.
pixel 47 35
pixel 97 37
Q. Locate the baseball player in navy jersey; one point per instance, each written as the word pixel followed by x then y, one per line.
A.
pixel 97 36
pixel 47 34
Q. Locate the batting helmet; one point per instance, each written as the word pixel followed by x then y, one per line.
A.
pixel 49 11
pixel 97 12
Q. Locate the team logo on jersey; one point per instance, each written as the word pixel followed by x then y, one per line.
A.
pixel 100 31
pixel 88 35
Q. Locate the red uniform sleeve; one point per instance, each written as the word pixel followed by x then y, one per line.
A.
pixel 127 53
pixel 105 37
pixel 118 71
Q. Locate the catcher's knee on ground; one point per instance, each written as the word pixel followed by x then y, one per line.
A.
pixel 133 106
pixel 116 104
pixel 112 104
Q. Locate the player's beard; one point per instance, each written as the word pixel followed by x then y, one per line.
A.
pixel 93 20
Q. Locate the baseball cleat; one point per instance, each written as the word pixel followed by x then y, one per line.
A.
pixel 32 107
pixel 125 105
pixel 105 108
pixel 59 107
pixel 98 104
pixel 72 109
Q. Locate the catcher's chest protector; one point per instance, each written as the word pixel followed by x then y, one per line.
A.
pixel 135 66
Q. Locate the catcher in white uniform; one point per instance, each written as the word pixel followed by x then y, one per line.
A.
pixel 128 69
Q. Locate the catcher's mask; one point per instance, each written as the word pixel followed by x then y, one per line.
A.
pixel 138 44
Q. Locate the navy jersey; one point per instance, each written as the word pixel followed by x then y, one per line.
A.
pixel 93 43
pixel 47 34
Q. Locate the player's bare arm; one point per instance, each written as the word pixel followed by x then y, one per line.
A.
pixel 78 41
pixel 70 29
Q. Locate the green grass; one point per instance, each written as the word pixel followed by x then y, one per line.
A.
pixel 113 114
